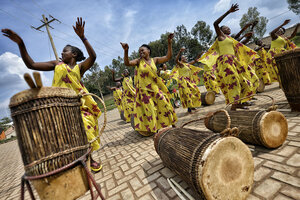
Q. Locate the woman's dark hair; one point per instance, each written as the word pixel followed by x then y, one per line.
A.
pixel 256 41
pixel 77 51
pixel 147 46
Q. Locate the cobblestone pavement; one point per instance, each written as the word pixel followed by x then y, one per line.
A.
pixel 133 170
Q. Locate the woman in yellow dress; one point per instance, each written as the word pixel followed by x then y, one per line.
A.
pixel 152 110
pixel 127 95
pixel 279 44
pixel 188 80
pixel 68 74
pixel 117 94
pixel 261 64
pixel 234 75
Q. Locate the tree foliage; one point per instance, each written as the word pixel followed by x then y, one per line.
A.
pixel 252 15
pixel 4 123
pixel 195 41
pixel 294 5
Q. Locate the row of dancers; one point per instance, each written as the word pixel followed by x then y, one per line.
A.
pixel 229 66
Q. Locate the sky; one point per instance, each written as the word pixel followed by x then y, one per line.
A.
pixel 108 22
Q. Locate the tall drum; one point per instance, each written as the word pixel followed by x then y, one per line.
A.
pixel 268 129
pixel 51 134
pixel 288 64
pixel 216 167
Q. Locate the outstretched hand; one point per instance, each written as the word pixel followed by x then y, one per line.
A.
pixel 170 36
pixel 233 8
pixel 124 46
pixel 12 35
pixel 79 29
pixel 286 22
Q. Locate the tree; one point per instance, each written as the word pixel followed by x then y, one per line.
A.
pixel 4 123
pixel 252 15
pixel 203 34
pixel 294 5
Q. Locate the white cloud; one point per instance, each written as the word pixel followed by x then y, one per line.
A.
pixel 12 69
pixel 129 19
pixel 222 5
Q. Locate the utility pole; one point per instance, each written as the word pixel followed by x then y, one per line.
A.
pixel 46 23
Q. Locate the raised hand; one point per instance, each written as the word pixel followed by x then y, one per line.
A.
pixel 234 7
pixel 170 37
pixel 12 35
pixel 286 22
pixel 124 46
pixel 79 29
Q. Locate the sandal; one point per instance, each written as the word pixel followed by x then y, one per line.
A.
pixel 95 166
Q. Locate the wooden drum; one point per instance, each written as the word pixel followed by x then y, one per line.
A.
pixel 216 167
pixel 208 98
pixel 51 134
pixel 288 64
pixel 268 129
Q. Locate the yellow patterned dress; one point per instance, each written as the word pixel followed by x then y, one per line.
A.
pixel 235 77
pixel 117 93
pixel 261 66
pixel 152 110
pixel 128 97
pixel 188 80
pixel 66 77
pixel 277 46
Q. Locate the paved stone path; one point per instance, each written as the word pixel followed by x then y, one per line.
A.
pixel 133 170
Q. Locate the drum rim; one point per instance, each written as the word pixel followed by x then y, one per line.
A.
pixel 43 92
pixel 287 52
pixel 209 154
pixel 266 139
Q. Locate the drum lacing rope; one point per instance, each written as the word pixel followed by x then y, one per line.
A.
pixel 271 108
pixel 68 151
pixel 227 131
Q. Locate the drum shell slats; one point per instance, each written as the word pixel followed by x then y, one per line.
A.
pixel 47 122
pixel 288 64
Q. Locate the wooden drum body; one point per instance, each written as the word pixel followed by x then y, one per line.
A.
pixel 288 64
pixel 215 167
pixel 208 98
pixel 268 129
pixel 51 134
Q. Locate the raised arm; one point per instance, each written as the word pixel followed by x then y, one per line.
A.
pixel 41 66
pixel 294 32
pixel 237 36
pixel 116 79
pixel 111 88
pixel 128 62
pixel 247 37
pixel 178 55
pixel 273 33
pixel 87 63
pixel 196 59
pixel 220 34
pixel 159 60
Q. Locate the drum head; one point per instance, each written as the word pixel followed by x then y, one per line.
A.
pixel 274 129
pixel 226 170
pixel 210 97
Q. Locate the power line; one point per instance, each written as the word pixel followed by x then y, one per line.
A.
pixel 102 44
pixel 25 10
pixel 279 15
